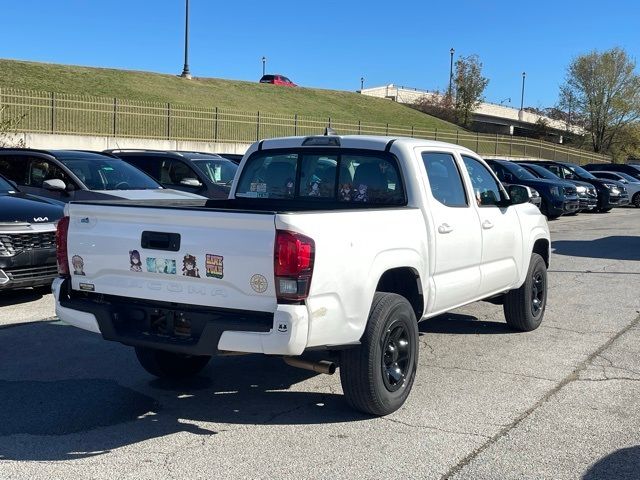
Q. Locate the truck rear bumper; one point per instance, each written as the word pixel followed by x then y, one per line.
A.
pixel 183 328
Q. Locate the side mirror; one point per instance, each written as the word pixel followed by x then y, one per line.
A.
pixel 518 194
pixel 190 182
pixel 55 185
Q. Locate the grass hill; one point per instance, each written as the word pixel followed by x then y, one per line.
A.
pixel 213 92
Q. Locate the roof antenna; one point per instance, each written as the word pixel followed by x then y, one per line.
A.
pixel 329 131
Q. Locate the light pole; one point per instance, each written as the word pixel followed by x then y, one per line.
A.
pixel 361 83
pixel 264 65
pixel 185 71
pixel 452 51
pixel 508 99
pixel 524 75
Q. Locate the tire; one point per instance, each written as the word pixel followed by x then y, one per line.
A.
pixel 163 364
pixel 544 209
pixel 524 307
pixel 377 376
pixel 635 201
pixel 605 210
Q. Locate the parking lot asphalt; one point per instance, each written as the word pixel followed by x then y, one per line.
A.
pixel 560 402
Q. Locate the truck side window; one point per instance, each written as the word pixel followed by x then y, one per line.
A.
pixel 485 187
pixel 444 179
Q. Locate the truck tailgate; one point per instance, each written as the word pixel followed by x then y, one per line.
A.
pixel 200 257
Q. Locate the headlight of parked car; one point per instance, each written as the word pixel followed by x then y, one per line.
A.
pixel 610 186
pixel 581 189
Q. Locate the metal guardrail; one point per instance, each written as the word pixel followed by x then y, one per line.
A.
pixel 57 113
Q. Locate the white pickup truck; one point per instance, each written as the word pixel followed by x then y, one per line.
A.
pixel 336 244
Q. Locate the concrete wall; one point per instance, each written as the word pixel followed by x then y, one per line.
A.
pixel 82 142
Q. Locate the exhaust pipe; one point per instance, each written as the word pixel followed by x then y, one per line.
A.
pixel 323 366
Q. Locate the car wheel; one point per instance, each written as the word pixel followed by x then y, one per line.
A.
pixel 605 210
pixel 636 200
pixel 377 376
pixel 163 364
pixel 524 307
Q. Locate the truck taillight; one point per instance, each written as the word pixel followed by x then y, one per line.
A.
pixel 61 246
pixel 293 259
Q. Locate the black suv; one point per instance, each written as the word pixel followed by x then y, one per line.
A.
pixel 67 175
pixel 587 193
pixel 201 173
pixel 610 193
pixel 633 170
pixel 27 238
pixel 558 197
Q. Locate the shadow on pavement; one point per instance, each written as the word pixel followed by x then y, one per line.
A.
pixel 623 464
pixel 25 295
pixel 464 324
pixel 614 248
pixel 66 394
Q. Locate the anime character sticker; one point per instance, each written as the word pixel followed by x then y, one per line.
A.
pixel 151 264
pixel 78 265
pixel 289 187
pixel 189 267
pixel 134 260
pixel 344 194
pixel 360 193
pixel 314 189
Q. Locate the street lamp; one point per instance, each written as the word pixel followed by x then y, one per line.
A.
pixel 524 75
pixel 264 65
pixel 452 51
pixel 508 99
pixel 185 71
pixel 361 83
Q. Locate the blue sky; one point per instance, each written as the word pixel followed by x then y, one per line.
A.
pixel 328 44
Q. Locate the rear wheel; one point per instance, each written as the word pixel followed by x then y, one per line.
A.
pixel 378 375
pixel 636 200
pixel 524 307
pixel 165 364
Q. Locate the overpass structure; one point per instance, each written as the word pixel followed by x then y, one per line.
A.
pixel 487 118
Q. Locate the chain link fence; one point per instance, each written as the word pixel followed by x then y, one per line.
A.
pixel 57 113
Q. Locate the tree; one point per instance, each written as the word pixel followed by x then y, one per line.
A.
pixel 438 105
pixel 469 85
pixel 8 127
pixel 604 92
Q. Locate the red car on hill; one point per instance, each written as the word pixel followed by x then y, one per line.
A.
pixel 277 80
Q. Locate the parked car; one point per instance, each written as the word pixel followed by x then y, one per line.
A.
pixel 277 80
pixel 332 244
pixel 587 193
pixel 610 193
pixel 205 174
pixel 633 170
pixel 630 183
pixel 68 175
pixel 27 238
pixel 558 197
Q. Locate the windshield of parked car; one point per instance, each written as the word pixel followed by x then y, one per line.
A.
pixel 581 171
pixel 628 177
pixel 6 186
pixel 109 174
pixel 520 173
pixel 542 172
pixel 349 176
pixel 217 170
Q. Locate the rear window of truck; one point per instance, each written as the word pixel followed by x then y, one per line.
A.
pixel 358 177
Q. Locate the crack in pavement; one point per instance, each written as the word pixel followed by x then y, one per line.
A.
pixel 431 427
pixel 491 371
pixel 572 377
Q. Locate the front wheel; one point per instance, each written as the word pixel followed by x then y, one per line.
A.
pixel 525 306
pixel 378 375
pixel 636 200
pixel 605 210
pixel 163 364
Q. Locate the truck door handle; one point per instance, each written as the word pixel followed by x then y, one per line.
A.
pixel 445 228
pixel 487 224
